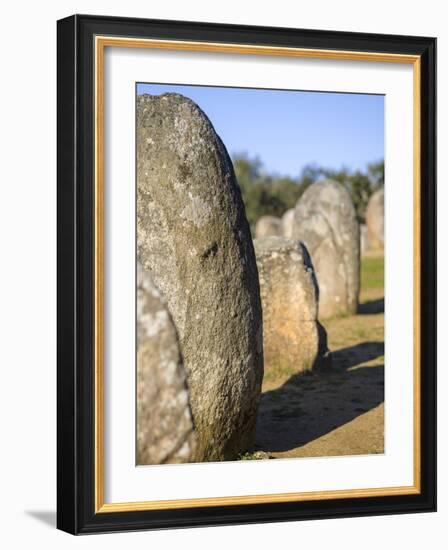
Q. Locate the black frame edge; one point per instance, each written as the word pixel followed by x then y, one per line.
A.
pixel 428 243
pixel 172 27
pixel 66 274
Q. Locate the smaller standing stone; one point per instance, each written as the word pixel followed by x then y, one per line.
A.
pixel 164 421
pixel 293 340
pixel 288 223
pixel 268 226
pixel 375 220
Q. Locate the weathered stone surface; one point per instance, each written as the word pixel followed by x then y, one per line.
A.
pixel 375 220
pixel 288 223
pixel 193 236
pixel 268 226
pixel 293 340
pixel 325 221
pixel 164 421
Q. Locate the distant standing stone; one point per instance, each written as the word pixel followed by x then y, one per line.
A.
pixel 292 337
pixel 268 226
pixel 325 221
pixel 193 236
pixel 363 240
pixel 164 421
pixel 375 220
pixel 288 223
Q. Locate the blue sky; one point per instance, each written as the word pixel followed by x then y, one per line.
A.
pixel 290 129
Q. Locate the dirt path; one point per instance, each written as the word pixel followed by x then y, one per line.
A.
pixel 337 412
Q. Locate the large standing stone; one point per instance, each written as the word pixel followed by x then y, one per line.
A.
pixel 164 422
pixel 268 226
pixel 325 220
pixel 293 340
pixel 288 223
pixel 375 220
pixel 193 236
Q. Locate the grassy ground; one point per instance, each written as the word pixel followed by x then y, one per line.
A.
pixel 340 411
pixel 372 273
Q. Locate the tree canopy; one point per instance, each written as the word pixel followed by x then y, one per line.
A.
pixel 271 194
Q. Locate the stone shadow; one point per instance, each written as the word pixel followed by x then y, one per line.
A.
pixel 372 307
pixel 310 405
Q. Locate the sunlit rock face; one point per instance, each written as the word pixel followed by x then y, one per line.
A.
pixel 268 226
pixel 325 221
pixel 164 422
pixel 363 241
pixel 375 220
pixel 293 339
pixel 288 223
pixel 194 239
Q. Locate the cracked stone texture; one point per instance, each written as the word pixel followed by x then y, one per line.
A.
pixel 193 236
pixel 375 220
pixel 293 340
pixel 268 226
pixel 288 223
pixel 325 221
pixel 164 421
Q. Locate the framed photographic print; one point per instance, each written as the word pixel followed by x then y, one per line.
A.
pixel 246 274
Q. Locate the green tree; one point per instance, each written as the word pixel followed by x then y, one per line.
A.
pixel 360 189
pixel 265 194
pixel 375 172
pixel 271 194
pixel 247 170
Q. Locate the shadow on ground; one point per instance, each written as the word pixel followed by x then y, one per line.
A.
pixel 310 405
pixel 371 307
pixel 48 517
